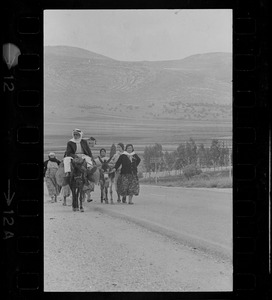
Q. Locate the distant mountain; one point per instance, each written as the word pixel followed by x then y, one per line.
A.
pixel 81 83
pixel 217 64
pixel 74 52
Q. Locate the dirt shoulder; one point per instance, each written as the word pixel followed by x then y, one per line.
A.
pixel 93 251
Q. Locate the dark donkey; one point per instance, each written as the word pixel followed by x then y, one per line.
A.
pixel 106 180
pixel 77 181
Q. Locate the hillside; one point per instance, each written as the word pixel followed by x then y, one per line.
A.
pixel 74 52
pixel 80 83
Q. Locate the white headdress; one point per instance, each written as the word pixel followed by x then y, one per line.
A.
pixel 79 132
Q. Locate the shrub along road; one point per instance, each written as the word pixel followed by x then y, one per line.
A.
pixel 171 239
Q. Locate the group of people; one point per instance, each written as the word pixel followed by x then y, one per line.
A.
pixel 124 163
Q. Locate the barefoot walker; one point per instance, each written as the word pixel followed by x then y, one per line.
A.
pixel 49 172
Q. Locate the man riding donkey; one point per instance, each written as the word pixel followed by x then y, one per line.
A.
pixel 76 148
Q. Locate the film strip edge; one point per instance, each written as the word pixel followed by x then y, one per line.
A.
pixel 23 92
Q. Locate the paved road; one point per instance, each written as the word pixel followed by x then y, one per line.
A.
pixel 200 218
pixel 171 239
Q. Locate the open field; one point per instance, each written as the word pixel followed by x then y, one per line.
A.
pixel 143 103
pixel 170 133
pixel 210 179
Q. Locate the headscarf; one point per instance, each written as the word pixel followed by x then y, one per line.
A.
pixel 118 153
pixel 92 139
pixel 121 145
pixel 129 155
pixel 54 159
pixel 79 139
pixel 129 145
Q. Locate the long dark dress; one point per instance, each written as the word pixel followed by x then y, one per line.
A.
pixel 128 182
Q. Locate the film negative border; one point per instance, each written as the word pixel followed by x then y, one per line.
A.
pixel 22 91
pixel 23 186
pixel 250 157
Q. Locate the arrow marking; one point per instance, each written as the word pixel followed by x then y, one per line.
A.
pixel 7 197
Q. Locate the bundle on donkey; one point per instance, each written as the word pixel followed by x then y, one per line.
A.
pixel 79 181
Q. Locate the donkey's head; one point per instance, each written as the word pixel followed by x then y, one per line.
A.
pixel 77 174
pixel 78 165
pixel 105 165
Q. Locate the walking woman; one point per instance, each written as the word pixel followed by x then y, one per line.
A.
pixel 49 173
pixel 128 182
pixel 119 150
pixel 90 186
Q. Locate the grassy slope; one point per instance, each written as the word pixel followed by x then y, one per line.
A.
pixel 217 179
pixel 196 88
pixel 140 103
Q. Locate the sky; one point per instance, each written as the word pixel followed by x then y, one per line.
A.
pixel 137 35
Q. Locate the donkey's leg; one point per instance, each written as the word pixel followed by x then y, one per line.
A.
pixel 106 194
pixel 111 184
pixel 64 201
pixel 89 196
pixel 73 199
pixel 124 199
pixel 102 193
pixel 88 193
pixel 76 200
pixel 80 200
